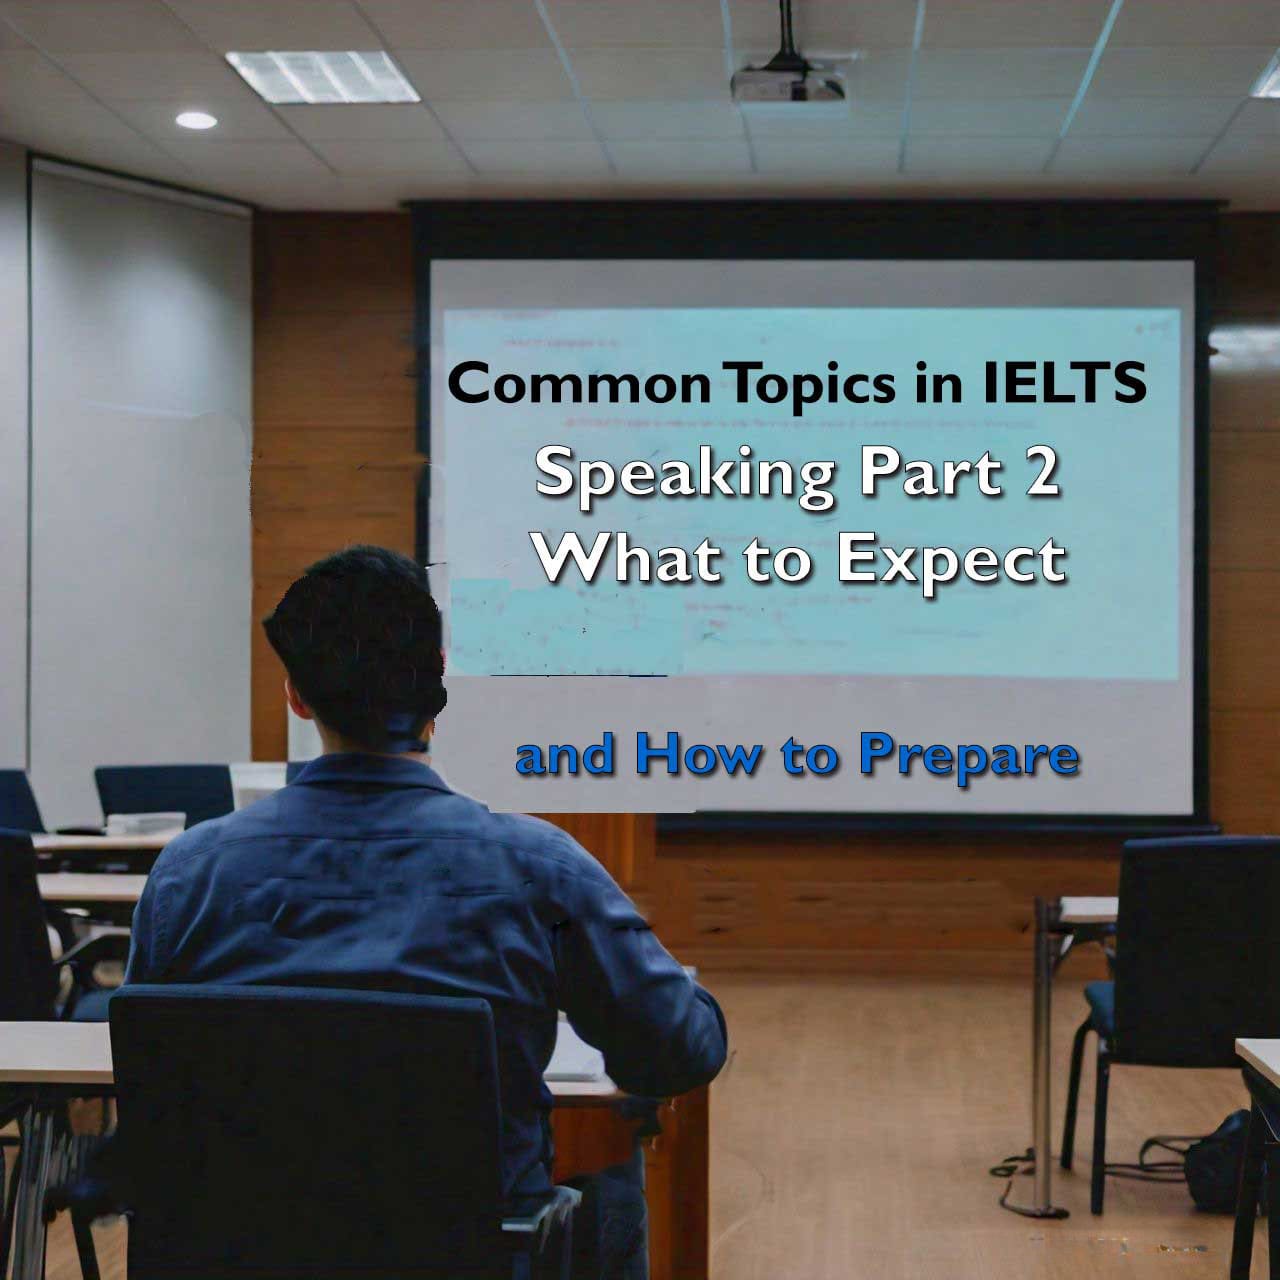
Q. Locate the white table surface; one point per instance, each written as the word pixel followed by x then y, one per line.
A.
pixel 80 1053
pixel 98 844
pixel 90 886
pixel 1089 910
pixel 1263 1056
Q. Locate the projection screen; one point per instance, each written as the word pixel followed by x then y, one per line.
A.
pixel 1103 660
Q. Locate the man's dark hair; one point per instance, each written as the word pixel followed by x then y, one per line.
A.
pixel 360 637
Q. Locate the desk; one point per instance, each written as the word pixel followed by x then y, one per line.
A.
pixel 97 853
pixel 56 1060
pixel 1261 1060
pixel 1060 924
pixel 90 888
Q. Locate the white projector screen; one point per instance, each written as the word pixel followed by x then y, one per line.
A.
pixel 141 433
pixel 1101 660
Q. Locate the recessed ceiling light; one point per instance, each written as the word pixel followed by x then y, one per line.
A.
pixel 195 120
pixel 324 77
pixel 1268 84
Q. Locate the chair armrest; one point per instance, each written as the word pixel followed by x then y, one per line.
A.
pixel 563 1202
pixel 102 946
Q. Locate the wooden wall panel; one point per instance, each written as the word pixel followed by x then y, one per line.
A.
pixel 335 458
pixel 336 463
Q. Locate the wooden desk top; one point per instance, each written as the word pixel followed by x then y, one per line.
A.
pixel 90 887
pixel 1089 910
pixel 98 844
pixel 79 1053
pixel 1263 1056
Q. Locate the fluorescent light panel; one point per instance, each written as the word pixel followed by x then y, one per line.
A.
pixel 318 77
pixel 1268 85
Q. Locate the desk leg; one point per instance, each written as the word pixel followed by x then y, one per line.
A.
pixel 1041 1111
pixel 676 1174
pixel 37 1126
pixel 1041 1101
pixel 1247 1196
pixel 678 1190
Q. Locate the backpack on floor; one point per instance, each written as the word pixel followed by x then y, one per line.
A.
pixel 1213 1165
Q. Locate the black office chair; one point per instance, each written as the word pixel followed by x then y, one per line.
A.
pixel 227 1174
pixel 30 991
pixel 201 791
pixel 1197 965
pixel 30 986
pixel 18 808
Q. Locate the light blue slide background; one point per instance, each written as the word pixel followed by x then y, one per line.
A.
pixel 1118 515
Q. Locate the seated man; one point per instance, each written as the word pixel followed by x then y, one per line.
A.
pixel 368 871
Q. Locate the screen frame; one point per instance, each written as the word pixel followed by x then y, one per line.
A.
pixel 818 229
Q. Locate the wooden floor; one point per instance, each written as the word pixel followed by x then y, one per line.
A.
pixel 854 1126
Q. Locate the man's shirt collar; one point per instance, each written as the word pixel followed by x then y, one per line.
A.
pixel 386 771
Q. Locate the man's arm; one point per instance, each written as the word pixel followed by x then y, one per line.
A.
pixel 661 1034
pixel 145 937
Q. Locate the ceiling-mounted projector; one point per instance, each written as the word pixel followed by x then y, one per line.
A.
pixel 789 80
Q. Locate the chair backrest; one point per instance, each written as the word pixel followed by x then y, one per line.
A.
pixel 28 980
pixel 285 1131
pixel 18 808
pixel 201 791
pixel 1197 949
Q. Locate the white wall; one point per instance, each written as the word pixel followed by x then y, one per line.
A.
pixel 13 457
pixel 141 434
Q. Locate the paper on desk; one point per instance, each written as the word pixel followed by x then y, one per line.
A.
pixel 145 824
pixel 573 1058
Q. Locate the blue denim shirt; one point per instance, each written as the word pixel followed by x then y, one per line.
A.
pixel 367 871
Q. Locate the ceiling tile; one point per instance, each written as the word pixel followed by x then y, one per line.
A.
pixel 1255 154
pixel 216 161
pixel 368 157
pixel 449 24
pixel 141 77
pixel 385 122
pixel 826 158
pixel 81 119
pixel 993 24
pixel 1128 156
pixel 985 74
pixel 1159 22
pixel 10 39
pixel 1154 117
pixel 98 26
pixel 880 76
pixel 864 120
pixel 681 74
pixel 549 159
pixel 642 120
pixel 130 155
pixel 990 157
pixel 518 75
pixel 1214 71
pixel 280 24
pixel 29 77
pixel 325 192
pixel 1259 115
pixel 824 26
pixel 239 120
pixel 513 120
pixel 681 159
pixel 1007 117
pixel 656 24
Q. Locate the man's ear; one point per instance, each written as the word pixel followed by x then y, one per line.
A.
pixel 296 704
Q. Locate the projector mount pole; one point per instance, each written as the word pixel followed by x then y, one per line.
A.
pixel 787 58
